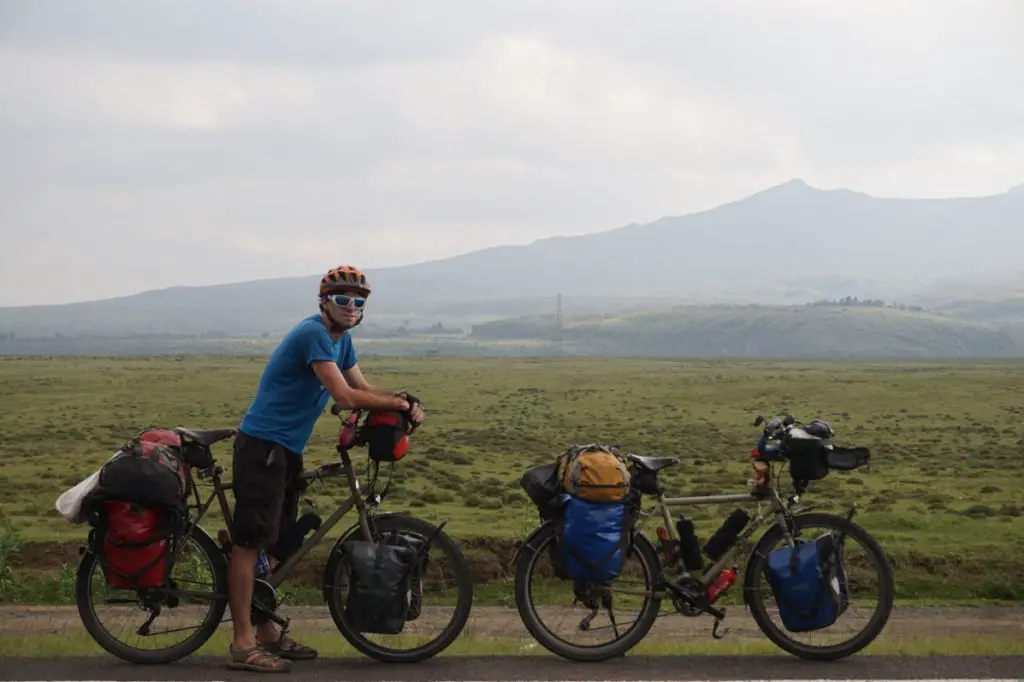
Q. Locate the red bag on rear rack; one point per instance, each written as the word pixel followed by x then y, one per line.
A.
pixel 149 469
pixel 136 544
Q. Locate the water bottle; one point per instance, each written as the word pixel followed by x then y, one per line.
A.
pixel 723 538
pixel 723 582
pixel 262 565
pixel 689 545
pixel 291 541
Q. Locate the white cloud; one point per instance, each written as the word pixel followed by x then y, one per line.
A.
pixel 106 92
pixel 403 141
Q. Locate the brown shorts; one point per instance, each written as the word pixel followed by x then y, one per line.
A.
pixel 265 477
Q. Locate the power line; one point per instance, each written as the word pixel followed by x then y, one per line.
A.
pixel 559 322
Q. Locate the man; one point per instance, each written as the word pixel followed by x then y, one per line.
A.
pixel 313 363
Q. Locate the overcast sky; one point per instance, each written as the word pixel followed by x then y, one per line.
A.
pixel 151 143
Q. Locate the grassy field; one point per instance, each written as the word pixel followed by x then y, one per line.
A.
pixel 943 495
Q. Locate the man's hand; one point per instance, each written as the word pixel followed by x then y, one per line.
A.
pixel 416 414
pixel 415 411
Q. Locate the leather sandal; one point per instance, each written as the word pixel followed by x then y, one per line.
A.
pixel 256 659
pixel 286 647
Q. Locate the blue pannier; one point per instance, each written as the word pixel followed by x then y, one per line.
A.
pixel 593 538
pixel 809 583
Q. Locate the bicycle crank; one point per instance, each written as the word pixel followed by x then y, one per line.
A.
pixel 264 605
pixel 690 598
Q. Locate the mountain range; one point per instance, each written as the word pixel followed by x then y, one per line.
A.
pixel 788 244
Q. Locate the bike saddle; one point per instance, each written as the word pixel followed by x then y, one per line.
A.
pixel 206 437
pixel 653 463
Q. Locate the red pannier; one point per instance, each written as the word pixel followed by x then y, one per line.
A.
pixel 135 545
pixel 141 500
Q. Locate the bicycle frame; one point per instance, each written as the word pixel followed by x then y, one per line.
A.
pixel 779 507
pixel 332 470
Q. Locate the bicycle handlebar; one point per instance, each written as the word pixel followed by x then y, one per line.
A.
pixel 337 409
pixel 773 430
pixel 775 423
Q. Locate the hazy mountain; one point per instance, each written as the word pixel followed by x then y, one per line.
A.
pixel 773 331
pixel 788 233
pixel 789 243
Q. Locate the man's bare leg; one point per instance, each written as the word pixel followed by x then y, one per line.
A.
pixel 244 655
pixel 269 631
pixel 241 574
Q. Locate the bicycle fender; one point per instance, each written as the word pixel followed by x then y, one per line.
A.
pixel 527 542
pixel 640 536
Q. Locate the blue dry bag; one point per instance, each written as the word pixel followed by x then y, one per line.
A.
pixel 809 583
pixel 593 538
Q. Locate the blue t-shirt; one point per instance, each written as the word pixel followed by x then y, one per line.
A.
pixel 290 397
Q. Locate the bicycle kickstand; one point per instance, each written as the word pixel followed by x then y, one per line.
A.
pixel 714 629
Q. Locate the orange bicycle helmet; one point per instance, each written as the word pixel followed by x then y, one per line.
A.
pixel 344 279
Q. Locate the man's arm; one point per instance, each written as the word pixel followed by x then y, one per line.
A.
pixel 356 380
pixel 353 398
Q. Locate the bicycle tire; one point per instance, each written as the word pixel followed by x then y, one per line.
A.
pixel 90 620
pixel 528 560
pixel 753 594
pixel 402 524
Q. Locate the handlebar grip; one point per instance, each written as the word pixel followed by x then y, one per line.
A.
pixel 336 409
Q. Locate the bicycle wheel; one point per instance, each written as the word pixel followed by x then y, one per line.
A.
pixel 755 591
pixel 451 561
pixel 200 568
pixel 527 566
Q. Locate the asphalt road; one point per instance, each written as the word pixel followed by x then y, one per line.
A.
pixel 541 668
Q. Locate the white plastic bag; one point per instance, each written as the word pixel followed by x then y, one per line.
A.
pixel 69 504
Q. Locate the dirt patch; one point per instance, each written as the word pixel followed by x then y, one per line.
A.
pixel 46 556
pixel 946 564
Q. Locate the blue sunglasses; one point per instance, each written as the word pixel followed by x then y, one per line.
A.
pixel 343 300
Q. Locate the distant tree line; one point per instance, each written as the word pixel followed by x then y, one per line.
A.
pixel 855 302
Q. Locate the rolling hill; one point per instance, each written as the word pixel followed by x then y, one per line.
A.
pixel 790 243
pixel 860 331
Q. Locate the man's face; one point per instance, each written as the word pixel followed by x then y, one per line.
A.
pixel 345 308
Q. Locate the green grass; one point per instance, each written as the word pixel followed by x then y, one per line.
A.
pixel 943 494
